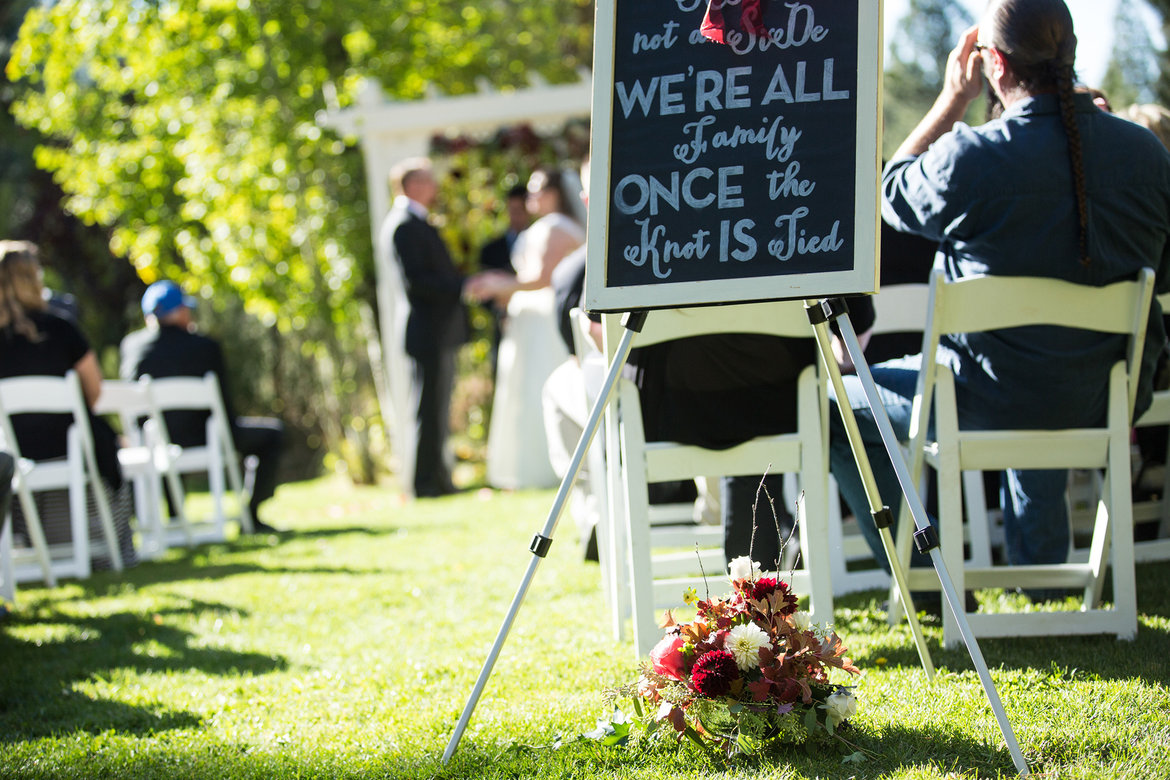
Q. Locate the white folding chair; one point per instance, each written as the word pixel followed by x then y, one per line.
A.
pixel 144 461
pixel 658 572
pixel 993 303
pixel 1158 509
pixel 216 457
pixel 76 473
pixel 610 535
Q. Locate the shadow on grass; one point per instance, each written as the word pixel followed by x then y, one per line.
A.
pixel 155 574
pixel 52 656
pixel 209 562
pixel 247 762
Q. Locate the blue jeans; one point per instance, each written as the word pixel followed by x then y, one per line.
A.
pixel 1035 513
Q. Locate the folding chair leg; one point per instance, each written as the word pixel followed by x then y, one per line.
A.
pixel 36 536
pixel 978 522
pixel 1164 524
pixel 178 504
pixel 8 584
pixel 79 525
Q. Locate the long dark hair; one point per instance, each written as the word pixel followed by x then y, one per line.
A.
pixel 1036 37
pixel 554 179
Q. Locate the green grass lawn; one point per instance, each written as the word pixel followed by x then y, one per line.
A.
pixel 348 648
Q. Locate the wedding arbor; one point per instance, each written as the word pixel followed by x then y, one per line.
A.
pixel 389 131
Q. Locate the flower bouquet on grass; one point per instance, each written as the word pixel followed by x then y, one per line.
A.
pixel 747 673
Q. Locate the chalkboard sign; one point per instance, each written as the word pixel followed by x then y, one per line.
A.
pixel 738 171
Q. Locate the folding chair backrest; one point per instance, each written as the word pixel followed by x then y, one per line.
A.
pixel 988 303
pixel 126 400
pixel 41 394
pixel 901 308
pixel 776 318
pixel 46 395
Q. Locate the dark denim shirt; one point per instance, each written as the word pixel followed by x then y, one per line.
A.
pixel 999 199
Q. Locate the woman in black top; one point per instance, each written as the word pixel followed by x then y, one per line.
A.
pixel 36 342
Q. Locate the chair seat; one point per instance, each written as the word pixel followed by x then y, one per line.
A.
pixel 670 461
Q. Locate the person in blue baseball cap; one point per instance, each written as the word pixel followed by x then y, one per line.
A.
pixel 170 345
pixel 163 298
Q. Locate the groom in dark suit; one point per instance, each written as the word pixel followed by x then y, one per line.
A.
pixel 437 324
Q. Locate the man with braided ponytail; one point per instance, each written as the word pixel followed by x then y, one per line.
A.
pixel 1052 187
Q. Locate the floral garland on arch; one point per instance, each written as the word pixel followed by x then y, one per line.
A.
pixel 749 672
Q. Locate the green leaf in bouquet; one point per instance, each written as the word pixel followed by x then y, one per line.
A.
pixel 753 724
pixel 748 744
pixel 612 730
pixel 694 736
pixel 810 721
pixel 714 716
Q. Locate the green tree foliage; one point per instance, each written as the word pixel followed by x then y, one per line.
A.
pixel 1133 66
pixel 917 60
pixel 187 127
pixel 1162 56
pixel 75 256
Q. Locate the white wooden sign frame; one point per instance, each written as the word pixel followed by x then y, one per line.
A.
pixel 863 278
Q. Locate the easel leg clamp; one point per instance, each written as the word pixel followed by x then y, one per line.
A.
pixel 826 310
pixel 926 539
pixel 540 544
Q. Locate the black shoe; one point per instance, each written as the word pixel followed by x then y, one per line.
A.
pixel 261 527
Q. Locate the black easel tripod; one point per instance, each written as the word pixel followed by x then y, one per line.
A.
pixel 820 314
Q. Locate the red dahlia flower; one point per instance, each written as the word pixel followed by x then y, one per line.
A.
pixel 713 673
pixel 764 587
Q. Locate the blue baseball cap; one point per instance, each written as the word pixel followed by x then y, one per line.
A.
pixel 162 298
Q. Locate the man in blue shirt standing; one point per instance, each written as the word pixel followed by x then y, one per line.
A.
pixel 1052 187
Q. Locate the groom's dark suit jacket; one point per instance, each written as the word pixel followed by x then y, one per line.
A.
pixel 437 318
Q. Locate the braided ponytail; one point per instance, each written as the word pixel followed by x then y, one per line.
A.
pixel 1063 76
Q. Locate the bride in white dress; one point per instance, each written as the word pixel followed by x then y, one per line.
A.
pixel 531 347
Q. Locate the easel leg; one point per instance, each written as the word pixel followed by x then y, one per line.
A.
pixel 882 517
pixel 820 313
pixel 543 540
